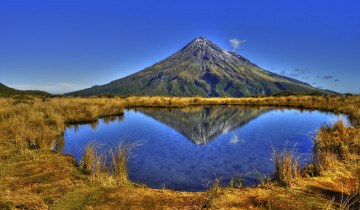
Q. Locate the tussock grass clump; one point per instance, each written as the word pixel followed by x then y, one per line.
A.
pixel 287 169
pixel 334 144
pixel 119 158
pixel 89 157
pixel 93 162
pixel 108 166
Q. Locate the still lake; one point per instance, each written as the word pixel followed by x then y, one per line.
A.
pixel 182 149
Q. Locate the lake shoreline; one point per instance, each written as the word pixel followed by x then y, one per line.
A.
pixel 184 148
pixel 32 176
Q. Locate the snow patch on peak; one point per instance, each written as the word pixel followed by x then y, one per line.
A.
pixel 226 52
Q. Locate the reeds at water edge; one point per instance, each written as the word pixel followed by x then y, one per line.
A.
pixel 107 166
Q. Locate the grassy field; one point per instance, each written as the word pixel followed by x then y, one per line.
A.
pixel 35 177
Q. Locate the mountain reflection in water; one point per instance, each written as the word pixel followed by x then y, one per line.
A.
pixel 185 148
pixel 201 125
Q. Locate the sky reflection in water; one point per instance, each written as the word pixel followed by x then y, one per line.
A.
pixel 185 148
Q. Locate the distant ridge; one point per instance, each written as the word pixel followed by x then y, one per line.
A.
pixel 11 91
pixel 201 68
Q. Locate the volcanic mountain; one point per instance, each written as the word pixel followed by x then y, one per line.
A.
pixel 201 68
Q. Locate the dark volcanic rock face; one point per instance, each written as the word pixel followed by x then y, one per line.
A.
pixel 201 68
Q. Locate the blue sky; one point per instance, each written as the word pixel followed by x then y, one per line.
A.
pixel 60 45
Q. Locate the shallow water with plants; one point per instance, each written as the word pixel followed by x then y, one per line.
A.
pixel 186 149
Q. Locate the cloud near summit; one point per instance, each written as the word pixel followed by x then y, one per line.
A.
pixel 235 43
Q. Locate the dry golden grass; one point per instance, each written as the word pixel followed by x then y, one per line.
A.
pixel 33 176
pixel 39 123
pixel 287 169
pixel 104 170
pixel 119 158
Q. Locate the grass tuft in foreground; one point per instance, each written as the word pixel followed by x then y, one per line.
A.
pixel 336 144
pixel 93 162
pixel 287 169
pixel 119 158
pixel 108 167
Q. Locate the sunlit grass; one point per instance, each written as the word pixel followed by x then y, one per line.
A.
pixel 336 143
pixel 287 169
pixel 32 176
pixel 120 155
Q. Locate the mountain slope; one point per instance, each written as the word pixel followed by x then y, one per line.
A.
pixel 7 90
pixel 201 68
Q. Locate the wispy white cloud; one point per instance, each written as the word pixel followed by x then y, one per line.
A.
pixel 55 88
pixel 235 43
pixel 235 139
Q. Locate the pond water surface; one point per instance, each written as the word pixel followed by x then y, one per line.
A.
pixel 182 149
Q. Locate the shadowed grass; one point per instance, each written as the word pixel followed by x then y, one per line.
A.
pixel 346 203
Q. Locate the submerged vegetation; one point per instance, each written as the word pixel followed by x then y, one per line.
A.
pixel 34 176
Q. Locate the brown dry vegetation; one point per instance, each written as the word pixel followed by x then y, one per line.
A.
pixel 33 176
